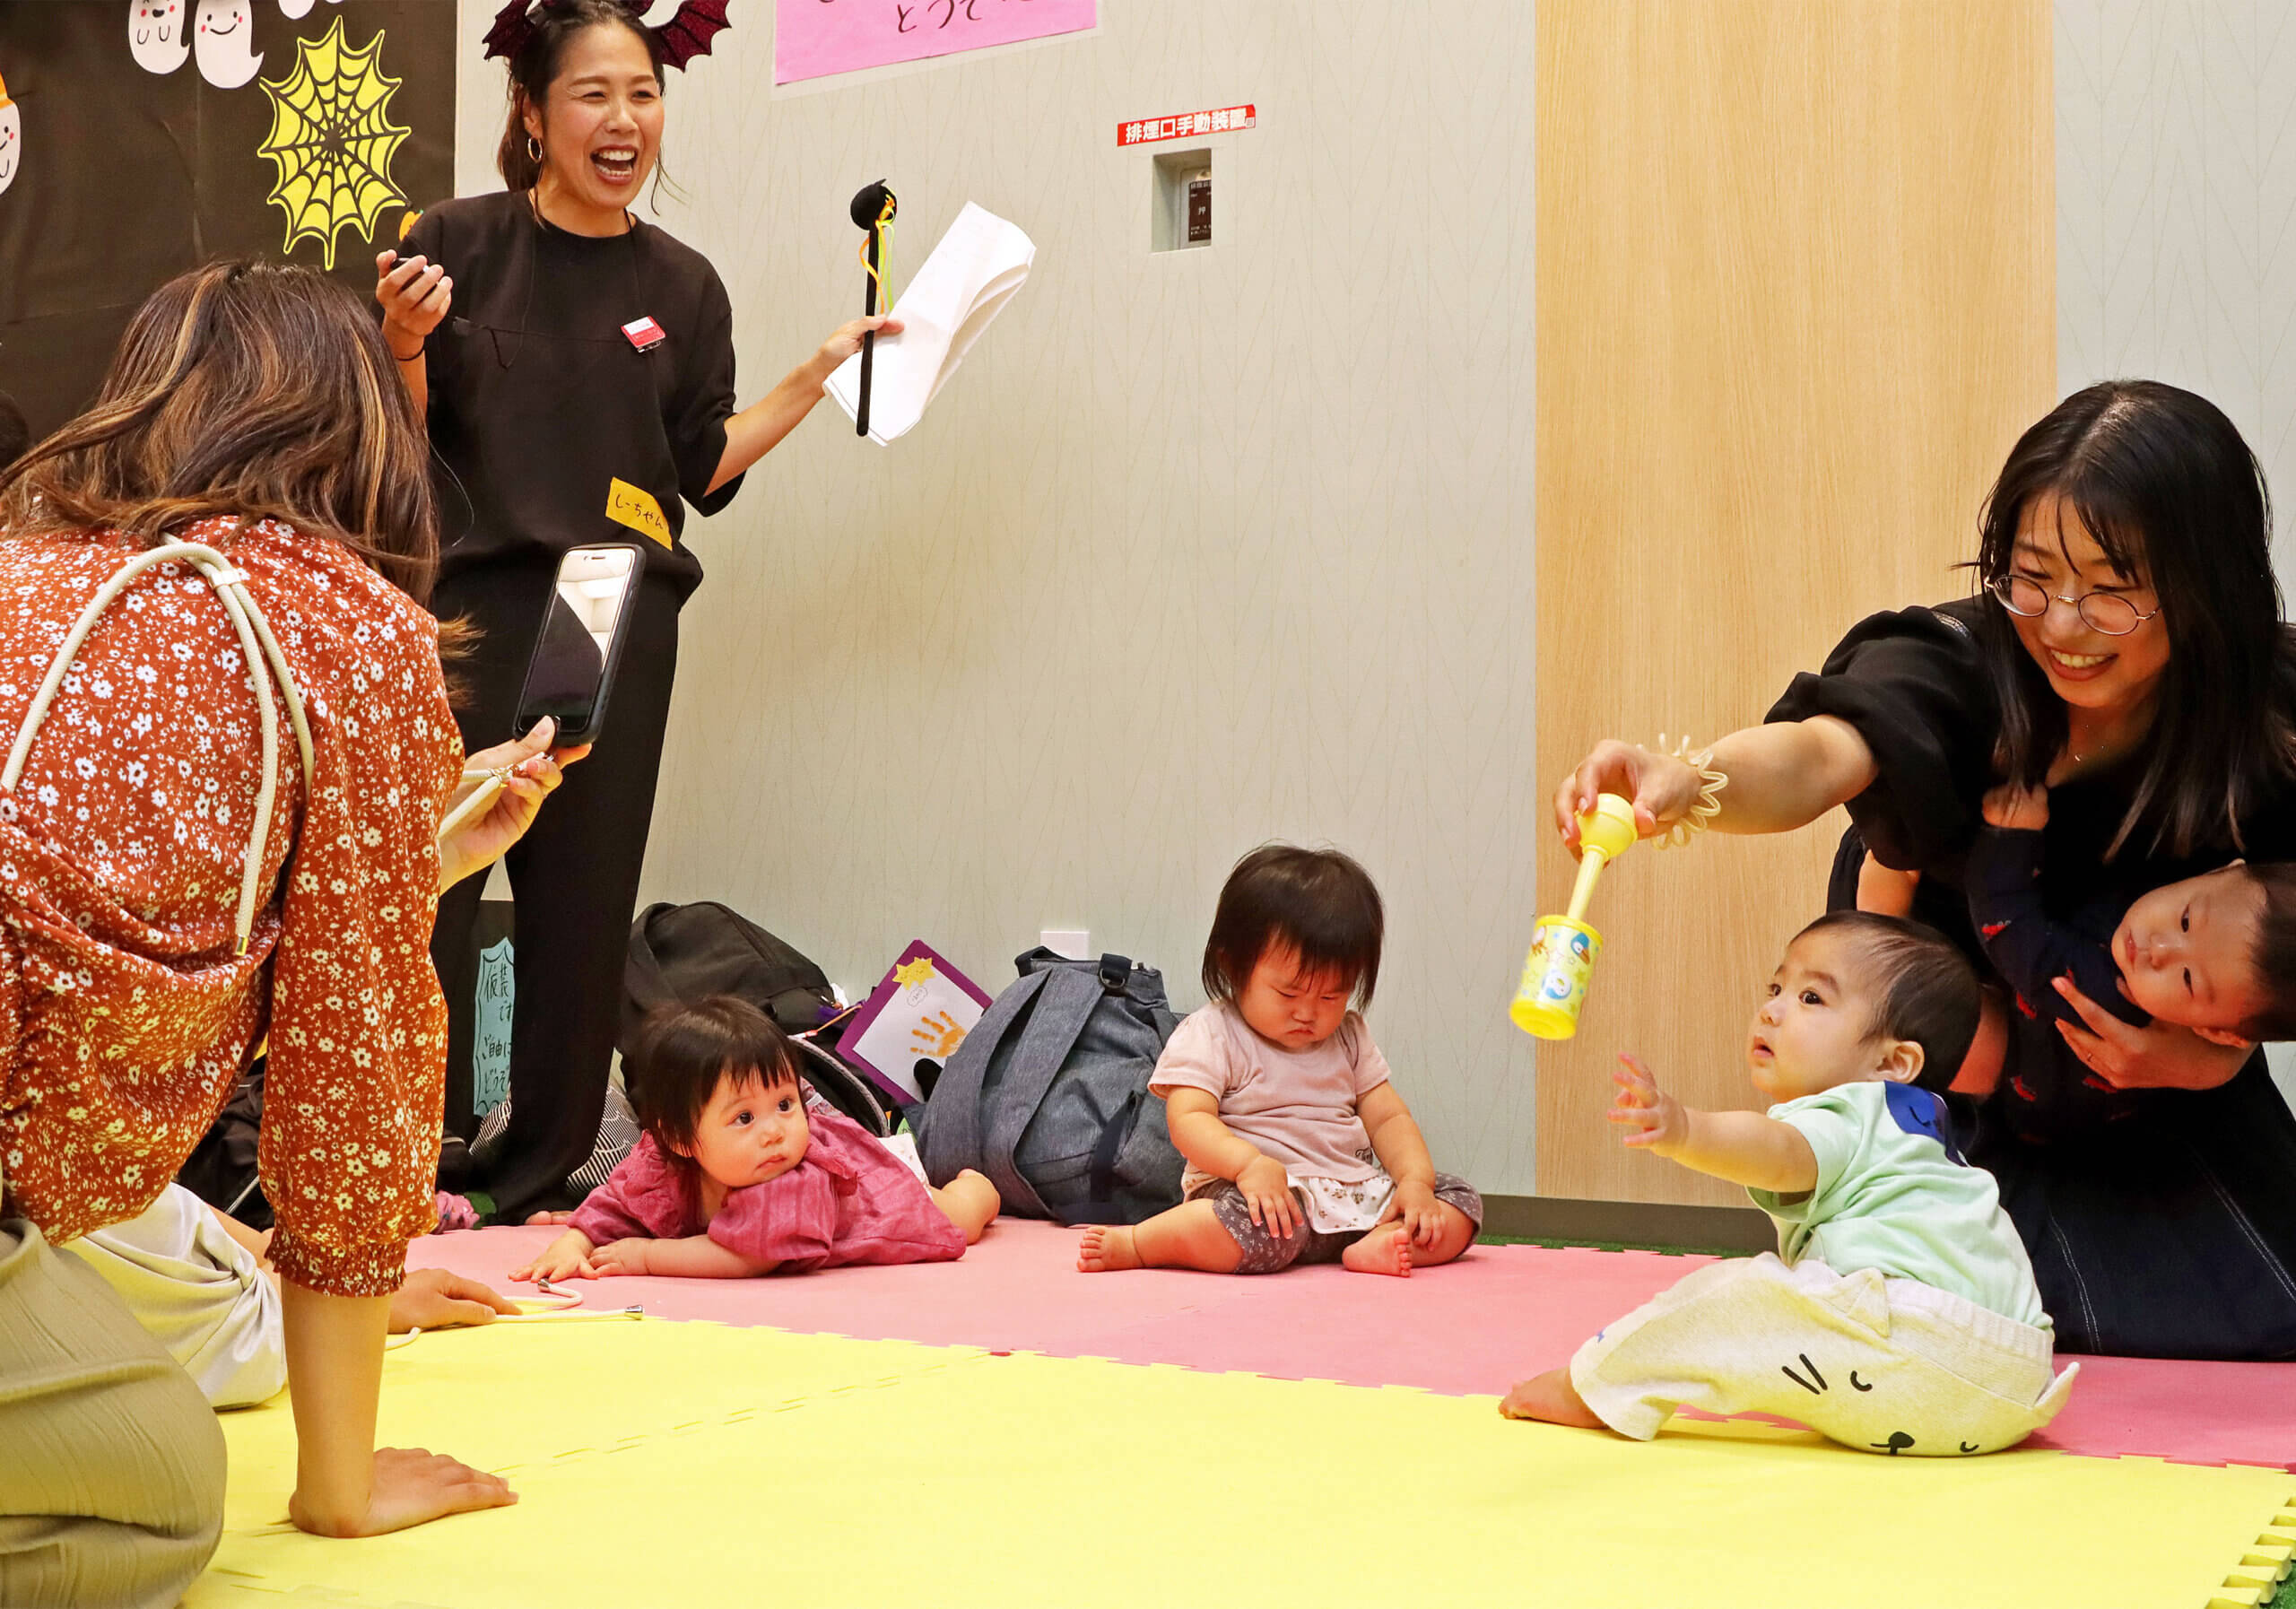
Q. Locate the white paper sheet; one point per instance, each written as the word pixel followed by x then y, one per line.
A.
pixel 961 288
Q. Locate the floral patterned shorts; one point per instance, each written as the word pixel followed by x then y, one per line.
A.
pixel 1265 1252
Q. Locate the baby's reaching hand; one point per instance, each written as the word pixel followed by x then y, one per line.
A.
pixel 1657 1119
pixel 621 1257
pixel 2017 807
pixel 567 1257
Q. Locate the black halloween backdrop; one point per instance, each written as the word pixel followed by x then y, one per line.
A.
pixel 139 138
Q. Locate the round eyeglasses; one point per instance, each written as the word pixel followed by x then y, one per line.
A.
pixel 2105 611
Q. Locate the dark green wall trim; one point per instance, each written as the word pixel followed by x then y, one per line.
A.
pixel 1632 1222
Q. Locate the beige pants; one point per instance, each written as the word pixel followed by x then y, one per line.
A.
pixel 201 1294
pixel 111 1463
pixel 1883 1365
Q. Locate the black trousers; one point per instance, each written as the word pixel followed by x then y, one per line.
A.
pixel 574 875
pixel 2171 1235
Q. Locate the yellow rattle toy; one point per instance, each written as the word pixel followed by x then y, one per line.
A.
pixel 1563 948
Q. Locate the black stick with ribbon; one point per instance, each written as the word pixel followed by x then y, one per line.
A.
pixel 874 207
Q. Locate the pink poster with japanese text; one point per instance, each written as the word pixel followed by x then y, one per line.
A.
pixel 812 39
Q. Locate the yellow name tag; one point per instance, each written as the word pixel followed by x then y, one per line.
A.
pixel 634 506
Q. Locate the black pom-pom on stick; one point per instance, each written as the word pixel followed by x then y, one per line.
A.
pixel 873 206
pixel 869 204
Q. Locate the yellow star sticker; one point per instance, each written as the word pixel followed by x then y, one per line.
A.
pixel 912 973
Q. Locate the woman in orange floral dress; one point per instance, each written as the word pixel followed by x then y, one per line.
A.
pixel 155 926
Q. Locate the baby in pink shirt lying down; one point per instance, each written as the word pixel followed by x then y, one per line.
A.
pixel 734 1179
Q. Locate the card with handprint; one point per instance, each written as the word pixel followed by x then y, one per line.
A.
pixel 913 1020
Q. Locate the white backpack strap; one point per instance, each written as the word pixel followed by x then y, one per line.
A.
pixel 264 660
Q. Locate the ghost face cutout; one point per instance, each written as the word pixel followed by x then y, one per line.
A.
pixel 222 36
pixel 158 33
pixel 12 140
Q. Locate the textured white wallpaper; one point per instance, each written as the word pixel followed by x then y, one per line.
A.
pixel 2176 217
pixel 2176 169
pixel 1198 550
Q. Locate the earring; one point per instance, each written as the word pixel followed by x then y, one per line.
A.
pixel 534 149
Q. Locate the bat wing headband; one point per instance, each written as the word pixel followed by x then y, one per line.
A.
pixel 684 36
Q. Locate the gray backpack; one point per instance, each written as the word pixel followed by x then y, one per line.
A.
pixel 1048 1095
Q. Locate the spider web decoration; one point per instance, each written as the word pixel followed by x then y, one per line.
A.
pixel 332 139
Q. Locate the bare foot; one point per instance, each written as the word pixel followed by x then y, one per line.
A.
pixel 1551 1397
pixel 1106 1248
pixel 1382 1251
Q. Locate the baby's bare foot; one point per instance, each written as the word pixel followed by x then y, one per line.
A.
pixel 1385 1250
pixel 1552 1397
pixel 1106 1249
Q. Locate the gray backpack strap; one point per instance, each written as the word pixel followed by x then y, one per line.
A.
pixel 949 1129
pixel 1064 1004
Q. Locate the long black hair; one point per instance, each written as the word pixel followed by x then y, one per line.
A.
pixel 2162 481
pixel 536 67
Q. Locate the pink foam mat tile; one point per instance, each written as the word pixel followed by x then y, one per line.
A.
pixel 2189 1413
pixel 1474 1328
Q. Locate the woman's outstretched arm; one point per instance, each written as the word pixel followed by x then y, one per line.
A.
pixel 1783 775
pixel 758 429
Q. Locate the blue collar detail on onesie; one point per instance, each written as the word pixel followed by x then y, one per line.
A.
pixel 1919 1112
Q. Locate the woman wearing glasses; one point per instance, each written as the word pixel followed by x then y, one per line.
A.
pixel 2126 651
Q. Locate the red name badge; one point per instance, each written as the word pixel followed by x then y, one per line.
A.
pixel 644 334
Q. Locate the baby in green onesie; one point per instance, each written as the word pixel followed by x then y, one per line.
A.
pixel 1900 1314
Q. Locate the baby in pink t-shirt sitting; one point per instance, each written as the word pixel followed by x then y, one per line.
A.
pixel 1297 1147
pixel 733 1177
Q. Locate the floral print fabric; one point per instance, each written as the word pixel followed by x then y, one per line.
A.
pixel 125 1012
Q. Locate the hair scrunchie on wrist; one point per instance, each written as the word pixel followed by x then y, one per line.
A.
pixel 1712 782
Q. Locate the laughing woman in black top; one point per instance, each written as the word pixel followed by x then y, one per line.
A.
pixel 2145 675
pixel 562 345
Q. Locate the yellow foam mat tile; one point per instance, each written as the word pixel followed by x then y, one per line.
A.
pixel 509 1397
pixel 663 1464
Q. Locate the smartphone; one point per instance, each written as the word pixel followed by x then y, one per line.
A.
pixel 580 643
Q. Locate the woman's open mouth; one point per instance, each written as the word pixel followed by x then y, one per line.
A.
pixel 616 164
pixel 2079 667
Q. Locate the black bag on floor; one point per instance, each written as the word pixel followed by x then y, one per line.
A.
pixel 688 952
pixel 1048 1095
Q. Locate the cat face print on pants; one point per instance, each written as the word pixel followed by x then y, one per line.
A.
pixel 1813 1381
